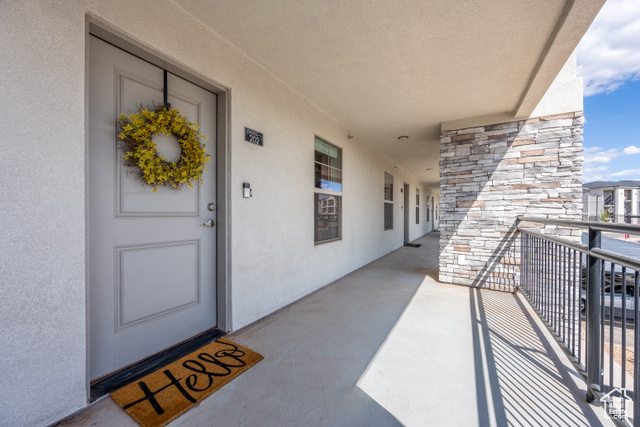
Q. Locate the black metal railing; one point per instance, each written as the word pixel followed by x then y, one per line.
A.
pixel 589 298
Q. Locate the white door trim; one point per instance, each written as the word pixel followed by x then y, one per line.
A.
pixel 222 156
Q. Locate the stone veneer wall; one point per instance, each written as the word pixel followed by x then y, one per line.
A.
pixel 491 174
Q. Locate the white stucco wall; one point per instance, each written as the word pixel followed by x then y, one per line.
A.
pixel 592 203
pixel 634 205
pixel 42 261
pixel 565 93
pixel 618 205
pixel 42 238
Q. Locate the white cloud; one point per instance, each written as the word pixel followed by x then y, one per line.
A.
pixel 597 173
pixel 628 172
pixel 609 53
pixel 596 161
pixel 586 177
pixel 597 169
pixel 631 150
pixel 599 157
pixel 592 149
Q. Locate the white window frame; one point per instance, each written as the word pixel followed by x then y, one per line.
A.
pixel 327 192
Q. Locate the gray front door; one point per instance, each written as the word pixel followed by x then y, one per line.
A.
pixel 151 259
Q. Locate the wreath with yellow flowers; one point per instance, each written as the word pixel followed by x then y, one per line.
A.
pixel 136 132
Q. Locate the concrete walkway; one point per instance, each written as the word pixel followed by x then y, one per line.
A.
pixel 389 345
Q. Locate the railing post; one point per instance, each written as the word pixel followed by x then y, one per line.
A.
pixel 593 316
pixel 636 347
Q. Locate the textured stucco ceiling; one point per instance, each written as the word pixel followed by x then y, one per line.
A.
pixel 390 68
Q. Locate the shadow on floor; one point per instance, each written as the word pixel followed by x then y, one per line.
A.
pixel 315 350
pixel 389 345
pixel 519 376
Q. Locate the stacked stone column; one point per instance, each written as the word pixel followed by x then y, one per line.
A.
pixel 491 174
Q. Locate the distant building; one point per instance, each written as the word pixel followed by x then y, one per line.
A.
pixel 619 198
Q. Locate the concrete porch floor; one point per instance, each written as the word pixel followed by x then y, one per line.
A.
pixel 389 345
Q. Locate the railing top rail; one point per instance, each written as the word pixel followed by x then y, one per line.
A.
pixel 564 242
pixel 615 258
pixel 600 226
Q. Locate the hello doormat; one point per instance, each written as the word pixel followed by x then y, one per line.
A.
pixel 166 393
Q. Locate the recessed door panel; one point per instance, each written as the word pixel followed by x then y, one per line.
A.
pixel 133 196
pixel 147 290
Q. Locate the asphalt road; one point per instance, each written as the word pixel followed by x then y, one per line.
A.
pixel 622 247
pixel 630 249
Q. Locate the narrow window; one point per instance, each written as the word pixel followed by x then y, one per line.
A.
pixel 328 192
pixel 417 206
pixel 427 209
pixel 433 209
pixel 388 201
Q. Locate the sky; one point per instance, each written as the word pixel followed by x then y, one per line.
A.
pixel 609 63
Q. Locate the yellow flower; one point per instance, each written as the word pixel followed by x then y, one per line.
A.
pixel 137 130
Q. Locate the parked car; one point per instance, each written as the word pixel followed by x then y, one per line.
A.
pixel 618 294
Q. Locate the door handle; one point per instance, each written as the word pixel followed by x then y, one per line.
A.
pixel 210 223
